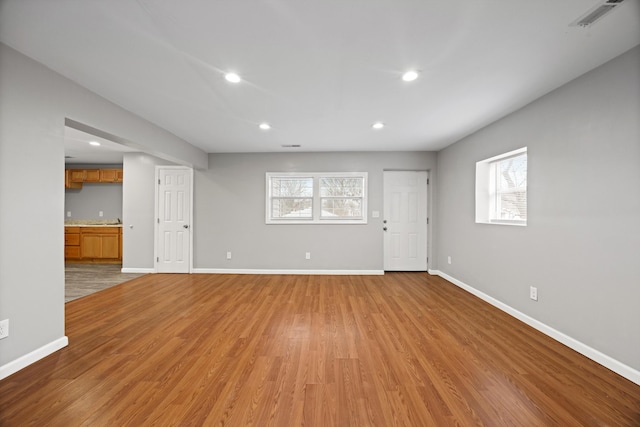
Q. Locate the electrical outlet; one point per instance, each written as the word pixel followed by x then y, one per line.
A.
pixel 449 259
pixel 4 328
pixel 68 214
pixel 228 255
pixel 307 255
pixel 100 214
pixel 533 293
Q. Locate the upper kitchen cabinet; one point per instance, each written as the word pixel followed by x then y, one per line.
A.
pixel 68 182
pixel 74 178
pixel 111 175
pixel 85 175
pixel 77 175
pixel 92 175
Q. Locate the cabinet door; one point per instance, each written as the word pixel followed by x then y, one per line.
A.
pixel 92 175
pixel 71 239
pixel 110 246
pixel 69 182
pixel 107 175
pixel 72 252
pixel 77 175
pixel 91 246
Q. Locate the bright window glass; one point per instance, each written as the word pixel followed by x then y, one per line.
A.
pixel 501 189
pixel 316 198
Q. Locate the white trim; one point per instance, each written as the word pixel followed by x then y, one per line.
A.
pixel 506 155
pixel 284 271
pixel 137 270
pixel 616 366
pixel 29 358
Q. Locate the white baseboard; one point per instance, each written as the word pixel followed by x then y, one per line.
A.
pixel 138 270
pixel 29 358
pixel 304 272
pixel 616 366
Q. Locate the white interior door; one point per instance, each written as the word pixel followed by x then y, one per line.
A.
pixel 405 220
pixel 173 237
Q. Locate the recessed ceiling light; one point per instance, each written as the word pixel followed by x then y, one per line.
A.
pixel 232 77
pixel 94 143
pixel 378 125
pixel 410 76
pixel 264 126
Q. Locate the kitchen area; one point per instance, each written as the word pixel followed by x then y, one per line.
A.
pixel 90 236
pixel 93 215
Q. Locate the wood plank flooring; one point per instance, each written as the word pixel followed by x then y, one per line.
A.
pixel 403 349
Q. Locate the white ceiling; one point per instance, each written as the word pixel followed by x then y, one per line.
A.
pixel 78 150
pixel 319 71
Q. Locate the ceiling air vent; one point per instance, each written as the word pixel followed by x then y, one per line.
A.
pixel 596 13
pixel 291 146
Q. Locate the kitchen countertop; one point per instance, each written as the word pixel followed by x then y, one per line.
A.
pixel 92 223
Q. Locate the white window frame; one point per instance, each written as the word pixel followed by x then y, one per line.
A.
pixel 487 194
pixel 316 203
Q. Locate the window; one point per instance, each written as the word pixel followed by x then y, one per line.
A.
pixel 316 198
pixel 501 189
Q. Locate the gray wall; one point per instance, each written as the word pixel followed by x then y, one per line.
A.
pixel 88 201
pixel 580 248
pixel 138 210
pixel 229 213
pixel 34 104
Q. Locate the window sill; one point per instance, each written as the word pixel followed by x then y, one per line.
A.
pixel 504 222
pixel 312 222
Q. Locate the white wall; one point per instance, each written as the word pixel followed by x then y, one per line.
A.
pixel 34 104
pixel 229 213
pixel 138 211
pixel 581 245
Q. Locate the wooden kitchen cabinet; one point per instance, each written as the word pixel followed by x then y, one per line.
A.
pixel 76 175
pixel 94 244
pixel 111 175
pixel 68 183
pixel 71 243
pixel 74 178
pixel 85 175
pixel 92 175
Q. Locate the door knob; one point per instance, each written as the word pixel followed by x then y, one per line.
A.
pixel 185 226
pixel 384 228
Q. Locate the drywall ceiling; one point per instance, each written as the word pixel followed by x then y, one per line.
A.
pixel 78 149
pixel 320 72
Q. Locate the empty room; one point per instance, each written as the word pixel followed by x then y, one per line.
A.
pixel 320 213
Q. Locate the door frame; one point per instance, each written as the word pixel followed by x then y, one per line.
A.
pixel 428 206
pixel 156 215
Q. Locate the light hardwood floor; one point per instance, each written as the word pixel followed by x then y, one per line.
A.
pixel 400 349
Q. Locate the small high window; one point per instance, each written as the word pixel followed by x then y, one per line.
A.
pixel 501 189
